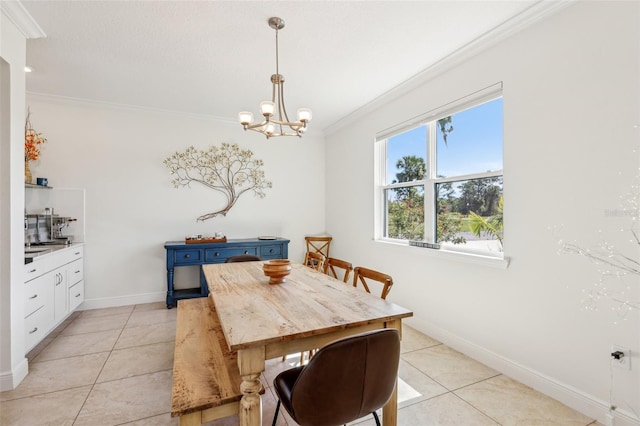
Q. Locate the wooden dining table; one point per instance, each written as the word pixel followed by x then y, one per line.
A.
pixel 263 321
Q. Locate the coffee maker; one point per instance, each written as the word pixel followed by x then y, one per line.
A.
pixel 46 228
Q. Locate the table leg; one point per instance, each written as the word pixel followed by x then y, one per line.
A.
pixel 390 409
pixel 191 419
pixel 251 365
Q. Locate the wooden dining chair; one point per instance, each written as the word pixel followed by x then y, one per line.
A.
pixel 335 267
pixel 242 258
pixel 319 244
pixel 315 260
pixel 361 275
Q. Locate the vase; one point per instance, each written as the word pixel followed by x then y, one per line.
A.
pixel 27 173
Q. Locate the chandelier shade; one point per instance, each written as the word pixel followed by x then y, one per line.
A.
pixel 276 120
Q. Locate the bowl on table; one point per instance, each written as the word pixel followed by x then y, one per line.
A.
pixel 277 270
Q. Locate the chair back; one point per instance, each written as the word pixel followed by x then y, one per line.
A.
pixel 361 275
pixel 242 258
pixel 319 245
pixel 336 267
pixel 347 379
pixel 314 260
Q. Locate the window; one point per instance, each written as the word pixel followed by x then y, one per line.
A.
pixel 440 179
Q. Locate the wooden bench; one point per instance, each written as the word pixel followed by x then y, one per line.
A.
pixel 206 379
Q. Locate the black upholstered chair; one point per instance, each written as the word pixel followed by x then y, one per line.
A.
pixel 242 258
pixel 345 380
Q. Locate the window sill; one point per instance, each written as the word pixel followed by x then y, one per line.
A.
pixel 443 253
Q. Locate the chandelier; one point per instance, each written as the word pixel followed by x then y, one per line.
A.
pixel 276 121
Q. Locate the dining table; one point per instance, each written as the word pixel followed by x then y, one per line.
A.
pixel 310 309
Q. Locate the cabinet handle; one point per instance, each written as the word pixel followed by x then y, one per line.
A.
pixel 270 251
pixel 33 297
pixel 246 252
pixel 78 295
pixel 31 271
pixel 77 272
pixel 217 254
pixel 77 253
pixel 187 256
pixel 34 330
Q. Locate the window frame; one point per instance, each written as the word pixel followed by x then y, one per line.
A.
pixel 430 181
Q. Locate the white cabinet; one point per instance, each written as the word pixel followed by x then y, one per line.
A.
pixel 54 287
pixel 75 284
pixel 60 308
pixel 38 309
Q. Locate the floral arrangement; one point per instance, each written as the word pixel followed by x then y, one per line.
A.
pixel 32 140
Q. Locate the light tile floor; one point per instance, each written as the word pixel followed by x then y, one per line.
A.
pixel 113 367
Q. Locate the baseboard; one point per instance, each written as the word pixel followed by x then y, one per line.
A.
pixel 568 395
pixel 132 299
pixel 11 379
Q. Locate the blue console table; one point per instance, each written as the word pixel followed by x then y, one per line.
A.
pixel 181 254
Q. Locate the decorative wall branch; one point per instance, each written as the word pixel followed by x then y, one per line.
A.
pixel 619 279
pixel 226 169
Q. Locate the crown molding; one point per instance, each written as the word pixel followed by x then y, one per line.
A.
pixel 524 19
pixel 18 15
pixel 88 103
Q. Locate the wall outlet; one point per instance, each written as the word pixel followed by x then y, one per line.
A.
pixel 625 361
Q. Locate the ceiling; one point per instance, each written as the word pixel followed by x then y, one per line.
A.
pixel 215 58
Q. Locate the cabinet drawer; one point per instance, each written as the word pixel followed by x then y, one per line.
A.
pixel 75 272
pixel 76 295
pixel 268 252
pixel 37 293
pixel 36 326
pixel 33 270
pixel 185 257
pixel 219 255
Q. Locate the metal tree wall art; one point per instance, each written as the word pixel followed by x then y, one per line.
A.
pixel 226 169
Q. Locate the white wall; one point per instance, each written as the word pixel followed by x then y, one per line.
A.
pixel 117 154
pixel 13 364
pixel 571 117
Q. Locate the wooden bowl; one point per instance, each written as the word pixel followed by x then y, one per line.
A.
pixel 277 270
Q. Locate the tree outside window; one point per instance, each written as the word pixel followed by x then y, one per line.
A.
pixel 454 196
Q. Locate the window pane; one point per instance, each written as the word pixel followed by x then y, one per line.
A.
pixel 406 156
pixel 470 212
pixel 405 213
pixel 470 141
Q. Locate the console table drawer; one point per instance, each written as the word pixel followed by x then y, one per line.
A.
pixel 183 257
pixel 219 255
pixel 268 252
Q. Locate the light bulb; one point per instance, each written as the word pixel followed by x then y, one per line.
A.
pixel 270 128
pixel 245 117
pixel 304 114
pixel 267 108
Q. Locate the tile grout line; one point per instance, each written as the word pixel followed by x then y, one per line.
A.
pixel 474 407
pixel 75 419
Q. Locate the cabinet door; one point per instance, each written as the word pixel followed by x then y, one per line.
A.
pixel 60 309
